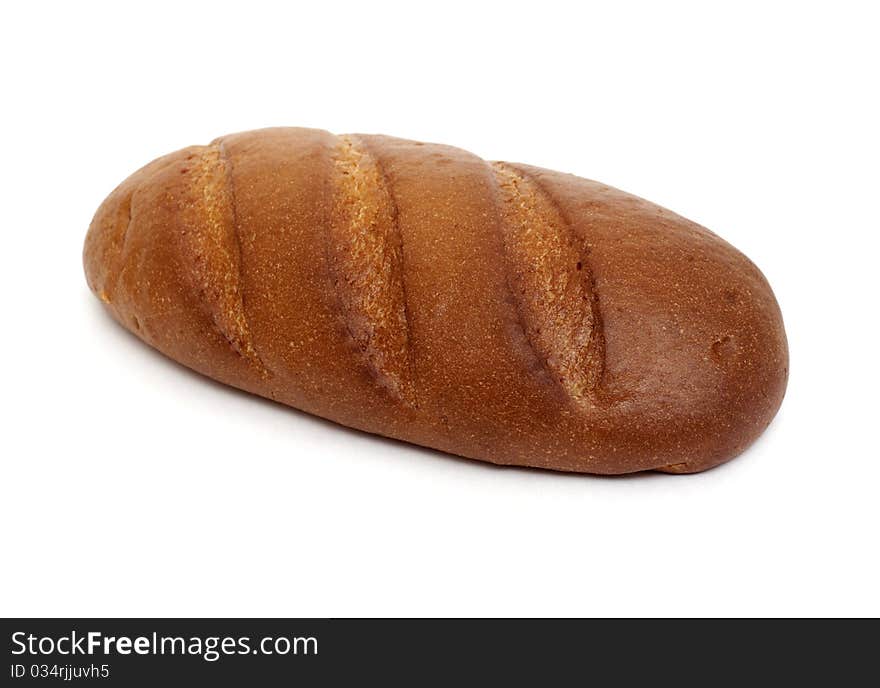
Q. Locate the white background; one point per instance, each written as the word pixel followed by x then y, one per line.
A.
pixel 131 486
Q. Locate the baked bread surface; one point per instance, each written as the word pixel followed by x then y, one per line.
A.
pixel 495 311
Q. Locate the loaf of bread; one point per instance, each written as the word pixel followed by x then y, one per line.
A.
pixel 492 310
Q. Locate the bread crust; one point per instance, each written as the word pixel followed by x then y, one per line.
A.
pixel 496 311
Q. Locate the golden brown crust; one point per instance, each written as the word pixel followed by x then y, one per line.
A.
pixel 209 246
pixel 366 262
pixel 551 284
pixel 496 311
